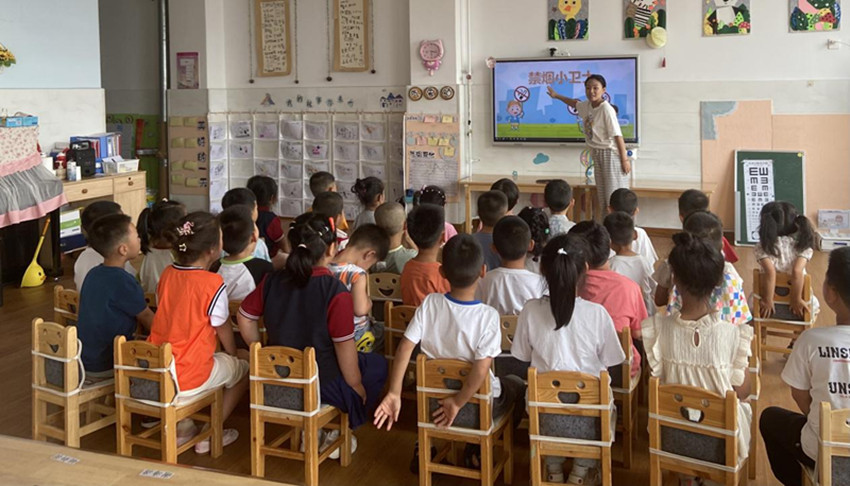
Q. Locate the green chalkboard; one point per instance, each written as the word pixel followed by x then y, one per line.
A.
pixel 754 171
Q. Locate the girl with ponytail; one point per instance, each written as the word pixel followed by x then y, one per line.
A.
pixel 305 305
pixel 370 193
pixel 785 245
pixel 563 332
pixel 695 346
pixel 156 230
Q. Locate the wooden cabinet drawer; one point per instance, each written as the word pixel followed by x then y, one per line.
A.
pixel 129 182
pixel 89 189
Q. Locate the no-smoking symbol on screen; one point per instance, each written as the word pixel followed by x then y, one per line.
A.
pixel 522 94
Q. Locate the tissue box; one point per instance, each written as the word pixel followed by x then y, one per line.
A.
pixel 18 121
pixel 116 165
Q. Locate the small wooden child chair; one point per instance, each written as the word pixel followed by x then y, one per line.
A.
pixel 398 317
pixel 441 378
pixel 383 288
pixel 624 388
pixel 285 391
pixel 755 385
pixel 145 384
pixel 66 306
pixel 584 401
pixel 59 379
pixel 505 363
pixel 783 323
pixel 833 464
pixel 704 422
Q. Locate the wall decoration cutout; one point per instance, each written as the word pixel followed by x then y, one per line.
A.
pixel 641 16
pixel 568 19
pixel 723 17
pixel 273 39
pixel 352 35
pixel 6 58
pixel 814 15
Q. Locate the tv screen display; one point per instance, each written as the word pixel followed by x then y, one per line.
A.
pixel 524 112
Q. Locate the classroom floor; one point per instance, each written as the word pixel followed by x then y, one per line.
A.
pixel 382 458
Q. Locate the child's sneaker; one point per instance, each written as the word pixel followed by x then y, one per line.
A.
pixel 228 437
pixel 330 437
pixel 555 473
pixel 585 476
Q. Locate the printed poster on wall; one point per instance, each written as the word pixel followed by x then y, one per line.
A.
pixel 187 70
pixel 568 19
pixel 758 191
pixel 724 17
pixel 641 16
pixel 814 15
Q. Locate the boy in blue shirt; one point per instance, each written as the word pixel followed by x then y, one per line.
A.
pixel 111 300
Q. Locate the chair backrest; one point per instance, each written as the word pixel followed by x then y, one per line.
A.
pixel 621 375
pixel 782 296
pixel 55 357
pixel 693 423
pixel 151 299
pixel 66 305
pixel 754 368
pixel 385 286
pixel 233 308
pixel 572 406
pixel 440 378
pixel 284 380
pixel 507 326
pixel 834 449
pixel 398 317
pixel 144 371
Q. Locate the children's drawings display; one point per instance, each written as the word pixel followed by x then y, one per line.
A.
pixel 568 19
pixel 352 35
pixel 814 15
pixel 641 16
pixel 188 153
pixel 722 17
pixel 758 191
pixel 432 152
pixel 291 147
pixel 272 37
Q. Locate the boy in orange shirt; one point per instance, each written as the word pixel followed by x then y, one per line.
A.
pixel 421 275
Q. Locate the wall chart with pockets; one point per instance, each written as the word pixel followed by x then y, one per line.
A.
pixel 432 152
pixel 292 146
pixel 188 155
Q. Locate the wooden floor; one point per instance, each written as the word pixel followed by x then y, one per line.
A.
pixel 382 457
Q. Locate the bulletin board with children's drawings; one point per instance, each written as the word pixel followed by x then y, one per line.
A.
pixel 188 155
pixel 432 152
pixel 290 147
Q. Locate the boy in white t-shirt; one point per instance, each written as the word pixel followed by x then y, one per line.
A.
pixel 559 199
pixel 626 200
pixel 508 287
pixel 89 258
pixel 455 326
pixel 817 371
pixel 626 262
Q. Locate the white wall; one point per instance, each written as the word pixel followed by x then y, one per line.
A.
pixel 129 46
pixel 57 75
pixel 770 63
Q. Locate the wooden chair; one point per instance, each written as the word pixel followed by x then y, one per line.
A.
pixel 151 300
pixel 624 388
pixel 705 421
pixel 383 288
pixel 833 464
pixel 59 379
pixel 783 323
pixel 440 378
pixel 755 384
pixel 398 317
pixel 285 391
pixel 66 306
pixel 145 384
pixel 583 400
pixel 505 363
pixel 233 307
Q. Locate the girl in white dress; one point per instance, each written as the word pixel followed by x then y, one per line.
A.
pixel 693 346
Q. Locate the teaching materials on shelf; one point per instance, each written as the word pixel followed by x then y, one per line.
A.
pixel 290 147
pixel 273 39
pixel 761 177
pixel 352 35
pixel 188 155
pixel 432 154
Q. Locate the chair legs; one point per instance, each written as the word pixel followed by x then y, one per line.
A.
pixel 168 435
pixel 217 424
pixel 311 453
pixel 258 438
pixel 424 458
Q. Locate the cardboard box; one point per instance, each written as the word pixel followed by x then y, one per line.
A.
pixel 18 121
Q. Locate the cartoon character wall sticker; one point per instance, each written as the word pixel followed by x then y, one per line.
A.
pixel 641 16
pixel 568 19
pixel 721 17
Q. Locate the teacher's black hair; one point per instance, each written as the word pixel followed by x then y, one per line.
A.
pixel 597 77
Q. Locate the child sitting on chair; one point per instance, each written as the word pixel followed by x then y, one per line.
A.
pixel 626 261
pixel 90 258
pixel 390 217
pixel 156 226
pixel 421 275
pixel 241 271
pixel 111 300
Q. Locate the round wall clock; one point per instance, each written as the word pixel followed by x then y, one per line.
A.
pixel 431 52
pixel 431 92
pixel 447 93
pixel 414 93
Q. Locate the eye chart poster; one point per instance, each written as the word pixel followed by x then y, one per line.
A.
pixel 758 191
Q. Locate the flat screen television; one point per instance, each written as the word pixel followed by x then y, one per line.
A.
pixel 523 112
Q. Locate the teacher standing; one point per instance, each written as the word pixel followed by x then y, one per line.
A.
pixel 603 137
